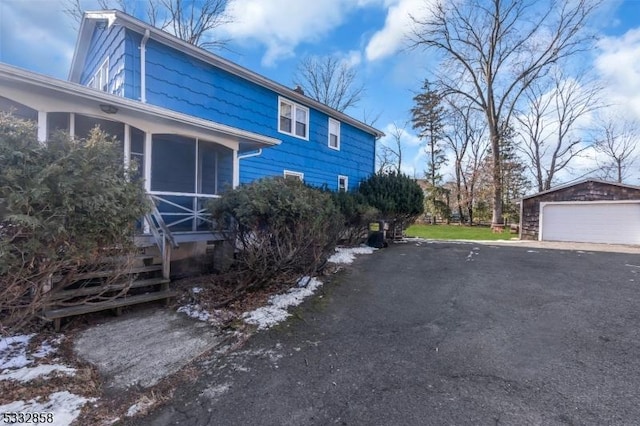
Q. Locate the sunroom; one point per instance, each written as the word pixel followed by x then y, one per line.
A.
pixel 184 160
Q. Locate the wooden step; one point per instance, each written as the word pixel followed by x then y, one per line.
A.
pixel 98 289
pixel 111 272
pixel 124 259
pixel 57 314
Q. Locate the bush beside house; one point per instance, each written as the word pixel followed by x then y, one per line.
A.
pixel 285 229
pixel 62 204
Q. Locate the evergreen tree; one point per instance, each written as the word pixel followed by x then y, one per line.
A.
pixel 513 176
pixel 427 117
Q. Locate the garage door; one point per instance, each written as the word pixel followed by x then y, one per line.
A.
pixel 591 222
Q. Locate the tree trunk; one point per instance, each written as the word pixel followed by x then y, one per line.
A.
pixel 496 218
pixel 619 164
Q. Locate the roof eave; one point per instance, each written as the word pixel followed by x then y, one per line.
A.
pixel 75 89
pixel 175 42
pixel 568 185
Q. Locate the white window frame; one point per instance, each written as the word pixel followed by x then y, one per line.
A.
pixel 291 173
pixel 337 124
pixel 346 183
pixel 294 109
pixel 100 79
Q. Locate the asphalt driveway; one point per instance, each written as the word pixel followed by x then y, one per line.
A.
pixel 440 333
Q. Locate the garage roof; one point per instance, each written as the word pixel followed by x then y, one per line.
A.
pixel 569 185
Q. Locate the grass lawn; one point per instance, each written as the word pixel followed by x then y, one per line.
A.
pixel 457 232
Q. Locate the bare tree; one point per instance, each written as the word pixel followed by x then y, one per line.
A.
pixel 617 144
pixel 464 136
pixel 492 50
pixel 190 20
pixel 390 156
pixel 549 137
pixel 330 80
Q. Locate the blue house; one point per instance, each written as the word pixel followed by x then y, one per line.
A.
pixel 195 124
pixel 119 54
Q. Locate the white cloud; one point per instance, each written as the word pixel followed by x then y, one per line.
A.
pixel 36 35
pixel 283 24
pixel 353 58
pixel 619 66
pixel 393 35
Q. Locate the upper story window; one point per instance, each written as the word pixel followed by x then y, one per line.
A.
pixel 293 119
pixel 334 134
pixel 100 79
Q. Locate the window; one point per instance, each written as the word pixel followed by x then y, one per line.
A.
pixel 334 134
pixel 288 174
pixel 293 119
pixel 100 79
pixel 343 183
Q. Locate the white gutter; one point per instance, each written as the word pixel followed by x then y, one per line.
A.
pixel 143 66
pixel 252 154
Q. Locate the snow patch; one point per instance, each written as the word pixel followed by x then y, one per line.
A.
pixel 195 311
pixel 347 254
pixel 196 290
pixel 13 351
pixel 276 311
pixel 26 374
pixel 48 347
pixel 64 406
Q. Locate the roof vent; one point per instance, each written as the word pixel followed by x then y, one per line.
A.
pixel 299 89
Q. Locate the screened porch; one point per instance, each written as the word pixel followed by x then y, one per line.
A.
pixel 180 173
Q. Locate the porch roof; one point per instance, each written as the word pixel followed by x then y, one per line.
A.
pixel 43 93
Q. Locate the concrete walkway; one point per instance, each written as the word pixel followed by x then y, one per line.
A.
pixel 143 347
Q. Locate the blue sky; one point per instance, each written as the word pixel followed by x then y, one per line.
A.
pixel 271 36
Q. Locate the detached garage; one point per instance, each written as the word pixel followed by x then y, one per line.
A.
pixel 588 211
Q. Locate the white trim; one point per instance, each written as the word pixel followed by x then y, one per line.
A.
pixel 100 79
pixel 198 180
pixel 236 169
pixel 294 113
pixel 291 173
pixel 337 123
pixel 88 24
pixel 148 142
pixel 42 126
pixel 543 203
pixel 346 182
pixel 184 194
pixel 143 66
pixel 72 125
pixel 127 146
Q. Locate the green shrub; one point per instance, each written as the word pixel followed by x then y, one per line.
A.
pixel 357 215
pixel 63 204
pixel 284 229
pixel 398 197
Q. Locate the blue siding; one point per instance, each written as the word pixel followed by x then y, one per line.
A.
pixel 107 42
pixel 132 42
pixel 182 83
